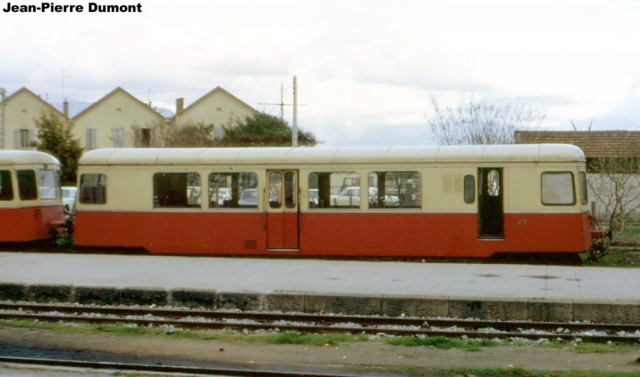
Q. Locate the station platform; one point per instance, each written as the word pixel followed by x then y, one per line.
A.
pixel 395 288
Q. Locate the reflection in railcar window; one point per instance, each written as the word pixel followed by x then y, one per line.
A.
pixel 27 185
pixel 93 189
pixel 584 196
pixel 469 189
pixel 233 190
pixel 47 184
pixel 337 190
pixel 6 188
pixel 394 189
pixel 176 190
pixel 557 188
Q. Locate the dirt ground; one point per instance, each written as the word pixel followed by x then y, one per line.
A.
pixel 368 357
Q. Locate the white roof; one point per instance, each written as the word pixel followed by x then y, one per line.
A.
pixel 325 155
pixel 20 157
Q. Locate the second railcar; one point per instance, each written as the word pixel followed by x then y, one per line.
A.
pixel 431 201
pixel 30 197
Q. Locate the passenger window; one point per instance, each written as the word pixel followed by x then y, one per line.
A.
pixel 275 190
pixel 93 189
pixel 47 184
pixel 6 187
pixel 233 190
pixel 176 190
pixel 290 190
pixel 27 185
pixel 584 193
pixel 338 190
pixel 394 189
pixel 493 186
pixel 557 188
pixel 469 189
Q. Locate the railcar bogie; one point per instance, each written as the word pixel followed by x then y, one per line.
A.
pixel 416 202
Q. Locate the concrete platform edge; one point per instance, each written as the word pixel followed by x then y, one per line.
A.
pixel 393 306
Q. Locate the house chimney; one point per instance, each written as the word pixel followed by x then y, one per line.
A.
pixel 65 108
pixel 179 105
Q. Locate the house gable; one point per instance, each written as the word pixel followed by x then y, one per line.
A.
pixel 218 107
pixel 22 108
pixel 108 122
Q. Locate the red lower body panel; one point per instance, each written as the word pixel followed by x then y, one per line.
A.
pixel 331 234
pixel 29 224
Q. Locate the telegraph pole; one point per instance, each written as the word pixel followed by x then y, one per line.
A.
pixel 281 104
pixel 294 133
pixel 294 136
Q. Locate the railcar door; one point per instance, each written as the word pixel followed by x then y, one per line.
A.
pixel 490 203
pixel 282 210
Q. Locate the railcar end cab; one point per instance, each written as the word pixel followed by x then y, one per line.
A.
pixel 31 206
pixel 416 202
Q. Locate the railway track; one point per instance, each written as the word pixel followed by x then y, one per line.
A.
pixel 165 369
pixel 316 323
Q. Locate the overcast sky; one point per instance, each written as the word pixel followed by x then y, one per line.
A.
pixel 366 70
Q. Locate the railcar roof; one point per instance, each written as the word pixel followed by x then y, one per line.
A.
pixel 20 157
pixel 327 155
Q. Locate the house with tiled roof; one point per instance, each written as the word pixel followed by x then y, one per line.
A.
pixel 594 144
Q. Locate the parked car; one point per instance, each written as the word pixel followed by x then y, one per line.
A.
pixel 249 198
pixel 69 197
pixel 350 197
pixel 221 196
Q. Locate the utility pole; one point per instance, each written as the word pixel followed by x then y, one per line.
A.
pixel 3 93
pixel 294 133
pixel 294 136
pixel 281 104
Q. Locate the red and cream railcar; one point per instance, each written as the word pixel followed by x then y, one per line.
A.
pixel 30 197
pixel 431 201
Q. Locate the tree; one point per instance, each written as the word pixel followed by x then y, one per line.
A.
pixel 615 184
pixel 55 136
pixel 482 123
pixel 163 135
pixel 263 130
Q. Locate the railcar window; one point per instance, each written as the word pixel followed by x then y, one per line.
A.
pixel 6 187
pixel 47 184
pixel 469 189
pixel 176 190
pixel 27 185
pixel 336 190
pixel 493 180
pixel 584 196
pixel 275 190
pixel 557 188
pixel 394 189
pixel 290 190
pixel 233 190
pixel 93 189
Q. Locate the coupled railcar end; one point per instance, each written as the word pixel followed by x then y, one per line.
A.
pixel 404 202
pixel 31 206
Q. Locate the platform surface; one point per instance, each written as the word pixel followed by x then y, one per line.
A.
pixel 407 279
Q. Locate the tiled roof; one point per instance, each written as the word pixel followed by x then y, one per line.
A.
pixel 594 144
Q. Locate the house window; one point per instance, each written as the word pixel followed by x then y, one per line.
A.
pixel 145 137
pixel 22 138
pixel 118 138
pixel 91 138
